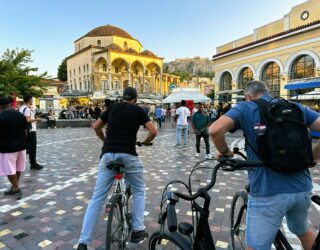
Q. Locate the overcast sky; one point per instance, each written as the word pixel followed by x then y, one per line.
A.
pixel 170 28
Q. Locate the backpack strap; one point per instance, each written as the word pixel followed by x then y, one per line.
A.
pixel 262 106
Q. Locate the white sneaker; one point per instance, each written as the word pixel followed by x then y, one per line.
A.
pixel 197 155
pixel 209 157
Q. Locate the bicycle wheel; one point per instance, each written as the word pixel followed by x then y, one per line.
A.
pixel 167 242
pixel 117 235
pixel 238 220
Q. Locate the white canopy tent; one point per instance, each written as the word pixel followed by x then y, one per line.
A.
pixel 186 94
pixel 313 95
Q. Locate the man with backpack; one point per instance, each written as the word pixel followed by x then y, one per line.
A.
pixel 276 133
pixel 26 110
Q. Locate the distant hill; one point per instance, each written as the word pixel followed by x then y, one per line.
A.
pixel 188 67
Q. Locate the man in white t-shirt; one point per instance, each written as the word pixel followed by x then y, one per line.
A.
pixel 26 110
pixel 182 116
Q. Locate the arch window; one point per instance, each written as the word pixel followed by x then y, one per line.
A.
pixel 125 45
pixel 226 80
pixel 99 43
pixel 246 76
pixel 146 87
pixel 303 67
pixel 116 69
pixel 271 76
pixel 104 67
pixel 136 71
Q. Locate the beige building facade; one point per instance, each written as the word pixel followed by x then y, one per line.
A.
pixel 108 59
pixel 285 54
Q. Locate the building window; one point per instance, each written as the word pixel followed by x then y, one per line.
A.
pixel 79 70
pixel 87 67
pixel 136 71
pixel 104 67
pixel 146 88
pixel 303 67
pixel 79 46
pixel 125 45
pixel 99 43
pixel 246 76
pixel 271 76
pixel 74 72
pixel 70 73
pixel 226 81
pixel 146 73
pixel 116 69
pixel 84 68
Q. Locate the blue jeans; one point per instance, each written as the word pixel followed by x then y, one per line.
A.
pixel 134 176
pixel 182 129
pixel 265 214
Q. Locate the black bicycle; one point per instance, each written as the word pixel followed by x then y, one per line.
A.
pixel 198 235
pixel 238 220
pixel 118 208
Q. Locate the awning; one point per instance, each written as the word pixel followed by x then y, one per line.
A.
pixel 178 96
pixel 307 84
pixel 235 91
pixel 313 95
pixel 147 101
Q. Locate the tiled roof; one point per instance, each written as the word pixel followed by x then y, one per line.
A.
pixel 148 53
pixel 108 30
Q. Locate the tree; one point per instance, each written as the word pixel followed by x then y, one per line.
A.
pixel 62 71
pixel 211 95
pixel 16 75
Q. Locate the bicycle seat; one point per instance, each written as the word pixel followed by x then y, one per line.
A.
pixel 115 165
pixel 185 228
pixel 316 199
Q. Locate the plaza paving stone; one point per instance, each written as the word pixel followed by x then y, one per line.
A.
pixel 50 213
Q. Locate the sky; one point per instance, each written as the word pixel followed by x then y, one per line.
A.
pixel 170 28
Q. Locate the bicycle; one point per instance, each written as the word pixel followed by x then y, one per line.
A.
pixel 187 238
pixel 238 220
pixel 119 222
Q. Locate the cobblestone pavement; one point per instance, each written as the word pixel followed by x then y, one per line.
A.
pixel 50 213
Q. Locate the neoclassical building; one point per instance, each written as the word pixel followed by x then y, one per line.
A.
pixel 108 59
pixel 285 54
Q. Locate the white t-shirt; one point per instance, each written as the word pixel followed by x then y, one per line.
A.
pixel 183 114
pixel 26 111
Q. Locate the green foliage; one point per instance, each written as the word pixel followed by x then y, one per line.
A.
pixel 62 71
pixel 16 75
pixel 206 74
pixel 211 95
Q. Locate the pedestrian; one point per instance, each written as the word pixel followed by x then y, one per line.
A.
pixel 13 129
pixel 273 194
pixel 158 115
pixel 51 120
pixel 173 114
pixel 200 124
pixel 26 110
pixel 124 120
pixel 182 117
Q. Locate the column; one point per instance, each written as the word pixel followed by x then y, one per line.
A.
pixel 161 82
pixel 284 80
pixel 109 79
pixel 129 75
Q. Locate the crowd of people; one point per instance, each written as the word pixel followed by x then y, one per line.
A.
pixel 273 194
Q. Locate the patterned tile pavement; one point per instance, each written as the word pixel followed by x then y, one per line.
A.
pixel 50 213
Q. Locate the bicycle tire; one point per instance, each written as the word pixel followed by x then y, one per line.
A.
pixel 115 213
pixel 236 241
pixel 178 241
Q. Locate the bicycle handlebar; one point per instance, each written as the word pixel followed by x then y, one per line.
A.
pixel 234 164
pixel 171 218
pixel 140 144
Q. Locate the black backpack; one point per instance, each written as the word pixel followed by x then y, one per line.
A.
pixel 283 139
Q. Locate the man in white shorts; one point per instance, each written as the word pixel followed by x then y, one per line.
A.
pixel 13 129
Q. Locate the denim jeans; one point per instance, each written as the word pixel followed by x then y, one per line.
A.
pixel 265 214
pixel 134 176
pixel 182 129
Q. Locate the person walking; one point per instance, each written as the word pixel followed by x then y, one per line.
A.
pixel 158 114
pixel 173 114
pixel 182 117
pixel 26 110
pixel 123 120
pixel 273 194
pixel 200 123
pixel 13 144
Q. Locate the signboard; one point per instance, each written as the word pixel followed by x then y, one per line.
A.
pixel 42 104
pixel 172 86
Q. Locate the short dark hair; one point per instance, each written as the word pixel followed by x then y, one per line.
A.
pixel 27 98
pixel 183 103
pixel 107 102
